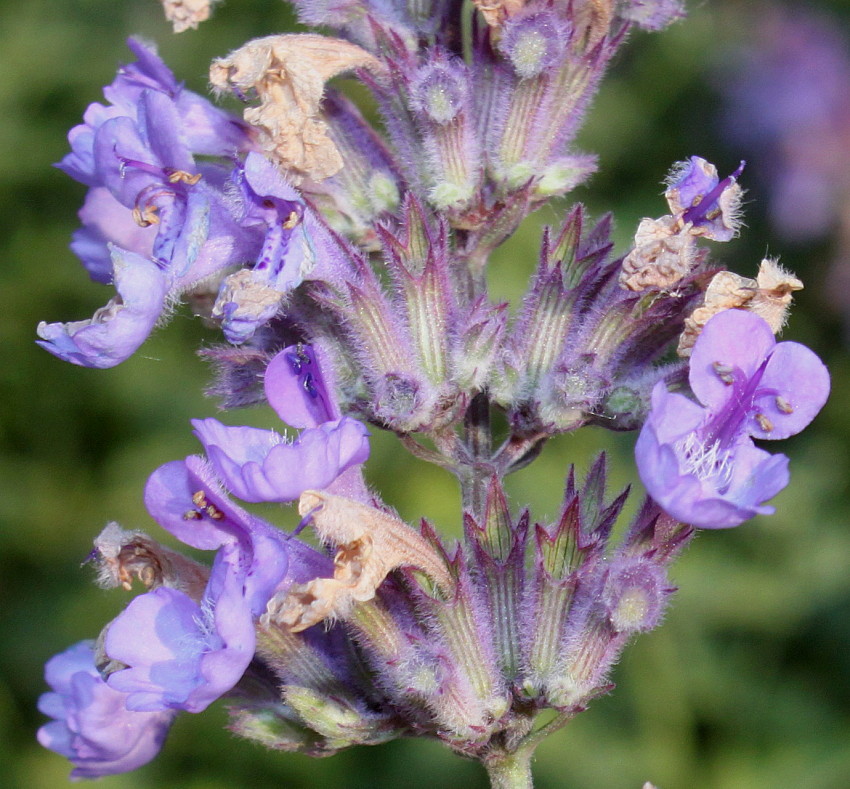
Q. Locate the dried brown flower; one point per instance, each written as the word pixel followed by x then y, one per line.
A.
pixel 662 255
pixel 768 296
pixel 371 543
pixel 288 74
pixel 123 555
pixel 495 12
pixel 185 14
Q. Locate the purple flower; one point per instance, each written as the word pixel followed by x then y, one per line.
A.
pixel 260 465
pixel 91 726
pixel 698 461
pixel 147 166
pixel 183 653
pixel 709 204
pixel 275 211
pixel 206 129
pixel 149 198
pixel 292 245
pixel 115 331
pixel 296 389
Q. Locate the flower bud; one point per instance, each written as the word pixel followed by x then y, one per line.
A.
pixel 441 99
pixel 439 92
pixel 533 43
pixel 633 595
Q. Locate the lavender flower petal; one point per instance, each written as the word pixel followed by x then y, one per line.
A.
pixel 705 486
pixel 790 384
pixel 182 653
pixel 699 463
pixel 792 391
pixel 114 332
pixel 206 129
pixel 91 726
pixel 259 465
pixel 734 339
pixel 106 221
pixel 296 389
pixel 172 493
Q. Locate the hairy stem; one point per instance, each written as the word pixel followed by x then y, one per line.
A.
pixel 510 770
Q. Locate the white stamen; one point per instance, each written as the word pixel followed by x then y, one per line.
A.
pixel 710 463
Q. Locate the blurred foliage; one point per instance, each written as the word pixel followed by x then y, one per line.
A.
pixel 745 686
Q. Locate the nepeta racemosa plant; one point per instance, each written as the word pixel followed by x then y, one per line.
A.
pixel 346 268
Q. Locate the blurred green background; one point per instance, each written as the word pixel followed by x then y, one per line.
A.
pixel 745 686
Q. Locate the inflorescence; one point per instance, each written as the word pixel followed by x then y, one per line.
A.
pixel 346 268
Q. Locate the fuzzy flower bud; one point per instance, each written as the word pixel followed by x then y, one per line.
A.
pixel 533 43
pixel 633 595
pixel 439 92
pixel 441 98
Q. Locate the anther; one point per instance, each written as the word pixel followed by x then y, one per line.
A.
pixel 199 498
pixel 192 515
pixel 291 221
pixel 764 423
pixel 724 372
pixel 294 363
pixel 181 176
pixel 146 217
pixel 783 405
pixel 310 386
pixel 214 512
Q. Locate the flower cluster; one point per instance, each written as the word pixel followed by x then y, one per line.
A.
pixel 346 270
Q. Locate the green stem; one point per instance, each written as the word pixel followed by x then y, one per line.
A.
pixel 530 742
pixel 510 770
